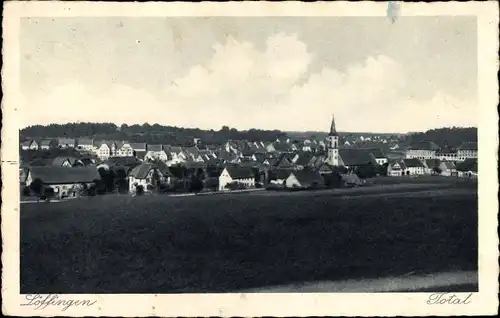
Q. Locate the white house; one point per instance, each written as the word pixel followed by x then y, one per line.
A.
pixel 230 174
pixel 156 152
pixel 102 150
pixel 124 149
pixel 422 150
pixel 144 175
pixel 29 145
pixel 66 182
pixel 467 151
pixel 396 169
pixel 414 167
pixel 448 168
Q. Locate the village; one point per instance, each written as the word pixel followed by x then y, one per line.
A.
pixel 90 167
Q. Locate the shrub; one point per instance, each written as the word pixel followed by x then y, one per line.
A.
pixel 139 190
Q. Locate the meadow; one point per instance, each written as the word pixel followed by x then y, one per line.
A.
pixel 228 243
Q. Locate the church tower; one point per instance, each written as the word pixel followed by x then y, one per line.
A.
pixel 332 145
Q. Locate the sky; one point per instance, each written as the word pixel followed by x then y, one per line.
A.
pixel 287 73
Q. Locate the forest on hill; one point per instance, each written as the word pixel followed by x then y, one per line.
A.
pixel 445 137
pixel 152 134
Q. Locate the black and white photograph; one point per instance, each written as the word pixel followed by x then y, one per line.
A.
pixel 253 154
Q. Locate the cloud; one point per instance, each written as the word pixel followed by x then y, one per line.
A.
pixel 243 86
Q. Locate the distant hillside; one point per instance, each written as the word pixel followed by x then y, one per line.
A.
pixel 153 134
pixel 444 137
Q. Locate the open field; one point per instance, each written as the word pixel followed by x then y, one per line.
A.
pixel 228 243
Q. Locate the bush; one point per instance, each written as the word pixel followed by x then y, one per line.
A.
pixel 26 191
pixel 139 190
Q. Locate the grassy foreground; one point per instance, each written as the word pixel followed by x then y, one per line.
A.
pixel 231 242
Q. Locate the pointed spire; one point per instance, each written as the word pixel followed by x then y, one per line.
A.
pixel 333 130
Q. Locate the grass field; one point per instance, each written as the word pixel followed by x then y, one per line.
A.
pixel 227 243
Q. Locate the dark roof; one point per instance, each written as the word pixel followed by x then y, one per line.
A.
pixel 61 175
pixel 280 173
pixel 424 145
pixel 85 141
pixel 449 165
pixel 240 172
pixel 155 147
pixel 467 165
pixel 307 177
pixel 356 157
pixel 377 152
pixel 468 146
pixel 432 163
pixel 138 145
pixel 413 163
pixel 304 158
pixel 122 161
pixel 351 179
pixel 141 171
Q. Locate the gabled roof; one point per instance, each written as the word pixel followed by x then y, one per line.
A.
pixel 27 143
pixel 468 146
pixel 449 165
pixel 66 141
pixel 122 161
pixel 401 165
pixel 351 179
pixel 155 148
pixel 467 165
pixel 432 163
pixel 413 163
pixel 140 154
pixel 141 171
pixel 85 142
pixel 304 159
pixel 239 172
pixel 63 175
pixel 307 177
pixel 138 145
pixel 46 142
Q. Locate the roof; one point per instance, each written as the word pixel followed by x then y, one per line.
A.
pixel 413 163
pixel 27 142
pixel 467 165
pixel 449 165
pixel 85 141
pixel 63 175
pixel 281 173
pixel 356 157
pixel 46 142
pixel 468 146
pixel 377 153
pixel 432 163
pixel 240 172
pixel 122 161
pixel 138 145
pixel 140 154
pixel 333 130
pixel 304 158
pixel 307 177
pixel 351 178
pixel 141 171
pixel 424 145
pixel 400 163
pixel 66 141
pixel 58 161
pixel 155 148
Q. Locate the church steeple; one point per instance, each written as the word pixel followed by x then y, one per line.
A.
pixel 333 130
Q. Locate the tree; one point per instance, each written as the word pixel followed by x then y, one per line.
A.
pixel 139 190
pixel 156 180
pixel 365 171
pixel 436 170
pixel 37 187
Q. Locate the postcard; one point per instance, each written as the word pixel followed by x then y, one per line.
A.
pixel 249 159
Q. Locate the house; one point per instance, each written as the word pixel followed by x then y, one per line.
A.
pixel 156 152
pixel 270 147
pixel 144 175
pixel 448 169
pixel 123 149
pixel 467 150
pixel 29 145
pixel 117 163
pixel 278 176
pixel 467 168
pixel 422 150
pixel 46 144
pixel 303 159
pixel 432 165
pixel 350 180
pixel 63 180
pixel 304 179
pixel 414 166
pixel 62 162
pixel 66 143
pixel 138 146
pixel 102 149
pixel 85 144
pixel 241 175
pixel 396 169
pixel 379 155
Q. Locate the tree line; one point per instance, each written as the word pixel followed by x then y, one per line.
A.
pixel 152 134
pixel 445 137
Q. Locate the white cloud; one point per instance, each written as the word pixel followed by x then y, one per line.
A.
pixel 242 86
